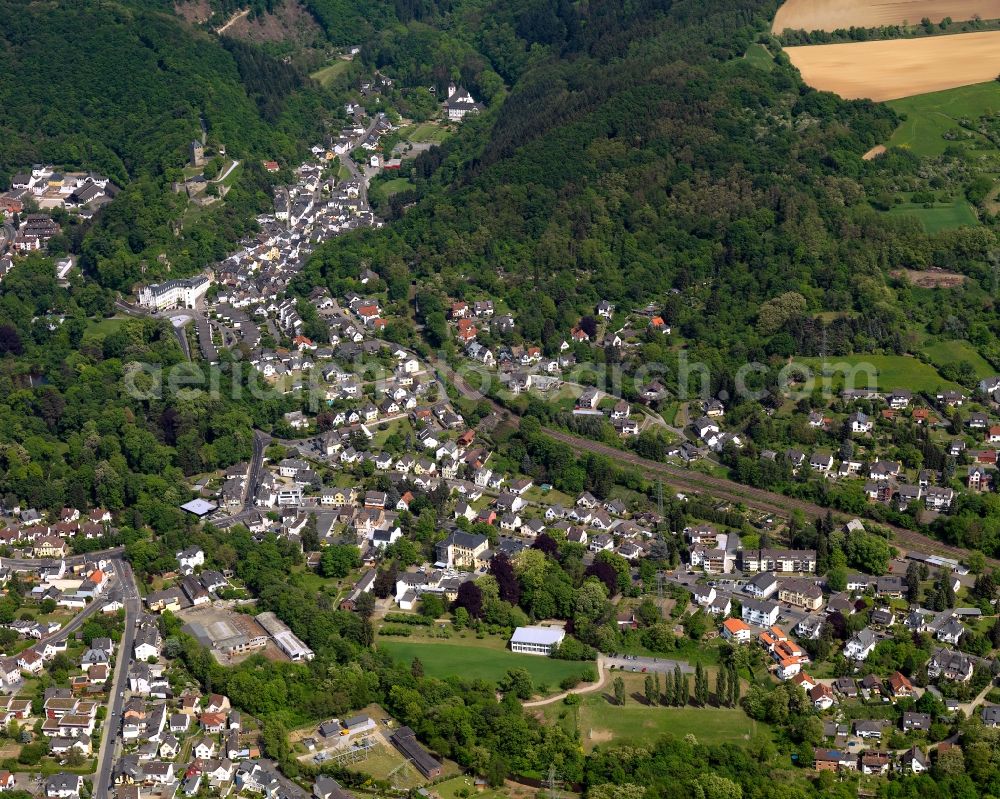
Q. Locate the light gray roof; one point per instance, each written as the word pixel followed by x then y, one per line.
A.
pixel 538 635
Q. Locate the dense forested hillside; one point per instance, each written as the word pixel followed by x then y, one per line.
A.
pixel 123 89
pixel 118 88
pixel 639 154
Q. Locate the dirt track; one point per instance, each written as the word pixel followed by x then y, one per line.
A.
pixel 829 15
pixel 891 69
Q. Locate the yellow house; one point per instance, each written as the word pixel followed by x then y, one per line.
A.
pixel 49 547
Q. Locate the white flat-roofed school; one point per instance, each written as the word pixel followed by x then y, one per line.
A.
pixel 199 507
pixel 536 640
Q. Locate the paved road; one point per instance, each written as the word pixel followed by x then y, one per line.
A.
pixel 646 664
pixel 107 755
pixel 7 236
pixel 585 689
pixel 260 442
pixel 25 564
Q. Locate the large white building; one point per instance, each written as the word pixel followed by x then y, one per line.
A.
pixel 460 103
pixel 536 640
pixel 182 293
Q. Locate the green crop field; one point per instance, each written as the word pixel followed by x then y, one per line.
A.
pixel 942 216
pixel 486 659
pixel 928 116
pixel 942 352
pixel 891 371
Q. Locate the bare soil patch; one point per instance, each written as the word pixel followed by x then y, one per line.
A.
pixel 193 11
pixel 930 278
pixel 888 70
pixel 829 15
pixel 289 22
pixel 873 153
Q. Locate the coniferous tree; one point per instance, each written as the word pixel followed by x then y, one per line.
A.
pixel 619 691
pixel 667 697
pixel 721 689
pixel 650 690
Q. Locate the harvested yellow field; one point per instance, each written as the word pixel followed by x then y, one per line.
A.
pixel 831 15
pixel 897 68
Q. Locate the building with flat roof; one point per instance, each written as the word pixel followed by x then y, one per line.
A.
pixel 199 507
pixel 536 640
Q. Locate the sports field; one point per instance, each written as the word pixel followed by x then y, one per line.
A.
pixel 930 116
pixel 889 371
pixel 485 659
pixel 829 15
pixel 887 70
pixel 941 216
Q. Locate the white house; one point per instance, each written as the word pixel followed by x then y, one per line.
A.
pixel 760 613
pixel 861 645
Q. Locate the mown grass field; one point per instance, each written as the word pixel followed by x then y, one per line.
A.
pixel 941 216
pixel 385 190
pixel 327 74
pixel 928 116
pixel 942 352
pixel 96 330
pixel 487 659
pixel 599 721
pixel 890 371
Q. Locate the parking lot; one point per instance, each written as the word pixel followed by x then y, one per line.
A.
pixel 641 664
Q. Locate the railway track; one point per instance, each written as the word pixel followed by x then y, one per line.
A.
pixel 719 487
pixel 758 498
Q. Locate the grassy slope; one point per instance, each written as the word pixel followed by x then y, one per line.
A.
pixel 760 57
pixel 326 75
pixel 928 116
pixel 485 659
pixel 942 352
pixel 892 371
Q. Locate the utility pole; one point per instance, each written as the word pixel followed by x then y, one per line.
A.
pixel 552 781
pixel 659 497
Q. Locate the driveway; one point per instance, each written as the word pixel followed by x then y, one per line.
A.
pixel 586 689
